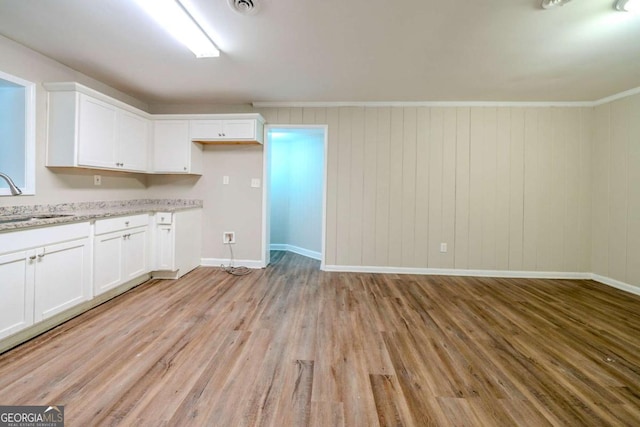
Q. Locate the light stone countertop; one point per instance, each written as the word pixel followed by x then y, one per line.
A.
pixel 86 211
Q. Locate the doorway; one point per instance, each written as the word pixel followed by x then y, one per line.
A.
pixel 295 190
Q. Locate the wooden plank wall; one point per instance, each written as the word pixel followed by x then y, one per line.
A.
pixel 506 188
pixel 616 191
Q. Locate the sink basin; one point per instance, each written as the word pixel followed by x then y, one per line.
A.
pixel 48 216
pixel 10 220
pixel 31 217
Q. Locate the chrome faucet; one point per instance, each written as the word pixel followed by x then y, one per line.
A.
pixel 12 185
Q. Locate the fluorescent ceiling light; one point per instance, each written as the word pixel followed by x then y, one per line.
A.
pixel 174 18
pixel 628 5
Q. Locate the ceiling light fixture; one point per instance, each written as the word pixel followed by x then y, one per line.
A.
pixel 178 22
pixel 550 4
pixel 628 5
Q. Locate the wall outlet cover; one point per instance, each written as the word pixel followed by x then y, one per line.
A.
pixel 229 237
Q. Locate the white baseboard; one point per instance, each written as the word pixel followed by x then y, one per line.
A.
pixel 296 250
pixel 632 289
pixel 459 272
pixel 616 284
pixel 217 262
pixel 487 273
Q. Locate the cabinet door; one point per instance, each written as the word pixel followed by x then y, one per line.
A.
pixel 133 140
pixel 136 253
pixel 96 133
pixel 171 146
pixel 107 262
pixel 206 129
pixel 16 293
pixel 62 277
pixel 165 248
pixel 239 129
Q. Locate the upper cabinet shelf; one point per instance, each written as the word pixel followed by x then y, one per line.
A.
pixel 229 130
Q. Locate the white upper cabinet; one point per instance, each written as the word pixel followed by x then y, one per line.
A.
pixel 94 131
pixel 87 129
pixel 173 151
pixel 229 130
pixel 133 136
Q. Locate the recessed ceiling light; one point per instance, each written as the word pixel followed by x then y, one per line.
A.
pixel 550 4
pixel 628 5
pixel 177 21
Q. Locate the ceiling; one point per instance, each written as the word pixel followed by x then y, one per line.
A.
pixel 344 51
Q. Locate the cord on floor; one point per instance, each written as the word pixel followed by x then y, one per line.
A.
pixel 236 271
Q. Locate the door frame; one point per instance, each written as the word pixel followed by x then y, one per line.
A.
pixel 266 196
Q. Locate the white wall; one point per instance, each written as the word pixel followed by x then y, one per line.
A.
pixel 234 207
pixel 297 174
pixel 505 188
pixel 56 186
pixel 616 191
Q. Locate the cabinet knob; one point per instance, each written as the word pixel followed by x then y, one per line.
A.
pixel 185 168
pixel 32 257
pixel 126 223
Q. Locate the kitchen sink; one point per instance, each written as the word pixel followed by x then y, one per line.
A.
pixel 48 216
pixel 24 218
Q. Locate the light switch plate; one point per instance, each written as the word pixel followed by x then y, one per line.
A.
pixel 97 180
pixel 225 179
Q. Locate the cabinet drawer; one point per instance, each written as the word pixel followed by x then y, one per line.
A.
pixel 165 218
pixel 121 223
pixel 30 238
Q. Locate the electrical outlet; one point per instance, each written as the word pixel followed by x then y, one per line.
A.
pixel 225 180
pixel 255 182
pixel 443 248
pixel 229 237
pixel 97 180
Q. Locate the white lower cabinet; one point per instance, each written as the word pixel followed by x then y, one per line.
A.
pixel 16 288
pixel 43 272
pixel 121 251
pixel 178 241
pixel 165 259
pixel 62 273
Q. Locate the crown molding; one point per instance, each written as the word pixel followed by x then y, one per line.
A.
pixel 617 96
pixel 540 104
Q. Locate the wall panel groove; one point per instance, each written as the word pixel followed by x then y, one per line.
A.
pixel 506 188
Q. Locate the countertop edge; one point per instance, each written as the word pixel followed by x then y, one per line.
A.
pixel 82 215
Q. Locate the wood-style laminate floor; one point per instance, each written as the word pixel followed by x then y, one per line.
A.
pixel 293 346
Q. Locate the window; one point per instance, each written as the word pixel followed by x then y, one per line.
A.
pixel 17 133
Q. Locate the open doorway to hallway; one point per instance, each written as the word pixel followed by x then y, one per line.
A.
pixel 296 193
